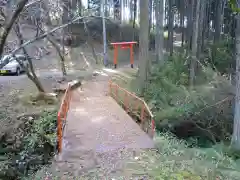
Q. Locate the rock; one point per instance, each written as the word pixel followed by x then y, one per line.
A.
pixel 30 118
pixel 59 90
pixel 63 79
pixel 75 84
pixel 95 73
pixel 46 96
pixel 51 94
pixel 63 87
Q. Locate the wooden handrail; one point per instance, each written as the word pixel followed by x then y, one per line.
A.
pixel 62 115
pixel 141 103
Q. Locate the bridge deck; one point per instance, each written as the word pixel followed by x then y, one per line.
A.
pixel 97 133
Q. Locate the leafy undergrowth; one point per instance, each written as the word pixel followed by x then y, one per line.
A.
pixel 202 117
pixel 175 160
pixel 29 146
pixel 126 78
pixel 204 112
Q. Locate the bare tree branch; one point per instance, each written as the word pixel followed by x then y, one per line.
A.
pixel 31 3
pixel 39 38
pixel 44 35
pixel 8 27
pixel 51 40
pixel 2 13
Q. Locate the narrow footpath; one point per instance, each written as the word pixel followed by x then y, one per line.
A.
pixel 100 138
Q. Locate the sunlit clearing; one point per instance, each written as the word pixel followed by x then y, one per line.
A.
pixel 98 119
pixel 54 70
pixel 88 99
pixel 85 60
pixel 124 75
pixel 79 90
pixel 71 64
pixel 101 73
pixel 81 110
pixel 110 70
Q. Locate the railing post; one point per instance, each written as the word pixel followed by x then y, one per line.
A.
pixel 136 106
pixel 110 88
pixel 115 58
pixel 153 128
pixel 142 115
pixel 59 132
pixel 131 55
pixel 126 101
pixel 116 92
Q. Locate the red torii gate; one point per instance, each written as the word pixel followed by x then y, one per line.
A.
pixel 123 45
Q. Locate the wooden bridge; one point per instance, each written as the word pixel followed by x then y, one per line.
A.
pixel 96 131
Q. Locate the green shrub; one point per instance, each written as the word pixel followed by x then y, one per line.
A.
pixel 206 106
pixel 220 56
pixel 37 146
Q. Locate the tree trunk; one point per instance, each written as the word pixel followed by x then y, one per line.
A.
pixel 79 7
pixel 134 17
pixel 233 47
pixel 236 129
pixel 217 21
pixel 150 16
pixel 182 13
pixel 170 27
pixel 159 41
pixel 205 24
pixel 143 44
pixel 217 26
pixel 30 72
pixel 190 24
pixel 201 25
pixel 194 43
pixel 150 22
pixel 73 7
pixel 208 20
pixel 122 10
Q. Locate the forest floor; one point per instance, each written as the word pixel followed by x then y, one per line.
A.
pixel 101 140
pixel 174 160
pixel 16 91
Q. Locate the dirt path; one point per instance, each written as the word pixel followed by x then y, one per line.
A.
pixel 100 138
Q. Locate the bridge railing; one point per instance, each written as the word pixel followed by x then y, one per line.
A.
pixel 61 117
pixel 135 106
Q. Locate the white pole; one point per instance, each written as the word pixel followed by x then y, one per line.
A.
pixel 122 11
pixel 104 33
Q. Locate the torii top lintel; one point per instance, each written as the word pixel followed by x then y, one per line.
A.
pixel 124 43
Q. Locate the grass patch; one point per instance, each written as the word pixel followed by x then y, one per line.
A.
pixel 175 160
pixel 35 99
pixel 126 78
